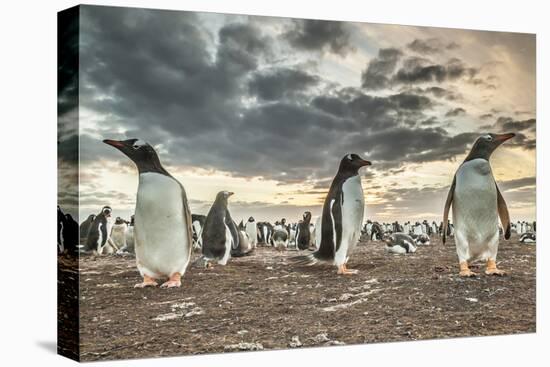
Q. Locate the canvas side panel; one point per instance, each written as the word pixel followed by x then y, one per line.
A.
pixel 67 184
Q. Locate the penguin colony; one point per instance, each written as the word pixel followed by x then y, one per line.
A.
pixel 163 233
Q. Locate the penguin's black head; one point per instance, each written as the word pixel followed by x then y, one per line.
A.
pixel 222 196
pixel 106 211
pixel 251 219
pixel 351 163
pixel 307 216
pixel 486 144
pixel 119 220
pixel 141 153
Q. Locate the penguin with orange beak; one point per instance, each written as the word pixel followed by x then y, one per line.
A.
pixel 220 235
pixel 162 229
pixel 477 205
pixel 342 217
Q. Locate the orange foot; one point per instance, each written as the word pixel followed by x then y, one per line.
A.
pixel 173 282
pixel 343 270
pixel 465 270
pixel 147 282
pixel 492 269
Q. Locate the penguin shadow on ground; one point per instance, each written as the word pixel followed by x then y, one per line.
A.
pixel 48 345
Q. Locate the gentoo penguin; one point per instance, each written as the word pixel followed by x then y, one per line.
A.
pixel 85 228
pixel 342 216
pixel 118 233
pixel 198 222
pixel 377 233
pixel 303 236
pixel 265 230
pixel 130 236
pixel 67 233
pixel 280 238
pixel 219 234
pixel 312 237
pixel 252 231
pixel 163 235
pixel 244 248
pixel 528 237
pixel 60 226
pixel 98 235
pixel 422 240
pixel 400 243
pixel 477 205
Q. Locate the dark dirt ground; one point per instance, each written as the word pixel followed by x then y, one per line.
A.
pixel 264 302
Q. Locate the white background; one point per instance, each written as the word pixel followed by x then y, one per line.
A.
pixel 28 181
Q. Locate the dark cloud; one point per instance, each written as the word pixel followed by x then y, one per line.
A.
pixel 419 70
pixel 455 112
pixel 518 183
pixel 320 35
pixel 281 83
pixel 214 99
pixel 376 76
pixel 486 116
pixel 511 125
pixel 431 46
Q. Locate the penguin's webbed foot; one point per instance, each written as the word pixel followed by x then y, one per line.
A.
pixel 493 270
pixel 343 270
pixel 465 271
pixel 173 282
pixel 147 282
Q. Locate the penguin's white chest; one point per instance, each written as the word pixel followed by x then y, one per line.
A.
pixel 475 213
pixel 353 207
pixel 161 239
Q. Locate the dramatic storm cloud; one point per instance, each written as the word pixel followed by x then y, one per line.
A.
pixel 267 107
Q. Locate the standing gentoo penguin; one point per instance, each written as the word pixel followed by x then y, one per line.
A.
pixel 219 234
pixel 98 235
pixel 162 230
pixel 280 238
pixel 130 237
pixel 118 234
pixel 477 205
pixel 252 230
pixel 67 232
pixel 198 223
pixel 85 228
pixel 303 234
pixel 342 216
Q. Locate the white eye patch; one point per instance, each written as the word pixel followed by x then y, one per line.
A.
pixel 349 157
pixel 487 137
pixel 139 143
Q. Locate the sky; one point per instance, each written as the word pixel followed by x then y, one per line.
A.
pixel 267 107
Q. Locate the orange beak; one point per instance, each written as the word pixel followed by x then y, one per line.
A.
pixel 114 143
pixel 503 137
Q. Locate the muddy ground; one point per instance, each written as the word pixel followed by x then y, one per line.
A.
pixel 264 302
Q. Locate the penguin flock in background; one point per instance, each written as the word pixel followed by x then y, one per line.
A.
pixel 99 232
pixel 162 232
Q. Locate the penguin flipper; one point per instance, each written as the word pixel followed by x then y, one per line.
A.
pixel 188 217
pixel 448 203
pixel 235 243
pixel 503 214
